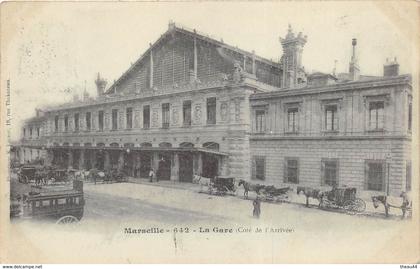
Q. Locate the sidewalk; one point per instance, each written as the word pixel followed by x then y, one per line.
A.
pixel 294 199
pixel 165 183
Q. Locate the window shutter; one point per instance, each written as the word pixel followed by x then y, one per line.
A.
pixel 263 168
pixel 366 174
pixel 253 168
pixel 337 174
pixel 385 177
pixel 285 171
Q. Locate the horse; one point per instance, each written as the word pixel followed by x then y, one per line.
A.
pixel 250 187
pixel 383 200
pixel 81 174
pixel 407 204
pixel 96 174
pixel 202 181
pixel 310 193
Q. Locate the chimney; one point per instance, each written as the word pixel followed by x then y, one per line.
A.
pixel 354 70
pixel 100 85
pixel 391 68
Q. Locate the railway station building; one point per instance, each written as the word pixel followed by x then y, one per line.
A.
pixel 192 104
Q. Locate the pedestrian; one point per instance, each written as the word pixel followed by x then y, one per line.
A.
pixel 151 174
pixel 257 208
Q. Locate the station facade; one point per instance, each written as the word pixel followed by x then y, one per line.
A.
pixel 195 105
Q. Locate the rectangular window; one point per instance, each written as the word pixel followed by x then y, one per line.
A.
pixel 146 117
pixel 258 167
pixel 291 170
pixel 260 121
pixel 66 123
pixel 37 131
pixel 211 110
pixel 410 116
pixel 186 113
pixel 408 176
pixel 331 118
pixel 76 122
pixel 375 175
pixel 88 120
pixel 376 115
pixel 101 120
pixel 165 115
pixel 30 132
pixel 56 124
pixel 292 119
pixel 24 132
pixel 329 172
pixel 114 119
pixel 129 117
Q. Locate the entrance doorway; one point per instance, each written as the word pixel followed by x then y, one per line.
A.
pixel 210 165
pixel 164 167
pixel 76 158
pixel 129 163
pixel 145 164
pixel 88 159
pixel 100 160
pixel 114 156
pixel 185 167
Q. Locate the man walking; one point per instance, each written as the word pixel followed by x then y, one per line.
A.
pixel 151 174
pixel 257 208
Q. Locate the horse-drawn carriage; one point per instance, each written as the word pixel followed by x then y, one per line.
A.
pixel 64 206
pixel 59 175
pixel 27 174
pixel 273 194
pixel 222 185
pixel 342 198
pixel 265 192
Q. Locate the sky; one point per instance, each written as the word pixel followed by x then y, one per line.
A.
pixel 53 50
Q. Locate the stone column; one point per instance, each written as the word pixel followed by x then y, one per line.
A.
pixel 155 161
pixel 121 161
pixel 49 157
pixel 93 159
pixel 137 165
pixel 223 165
pixel 198 164
pixel 70 159
pixel 175 168
pixel 107 164
pixel 82 159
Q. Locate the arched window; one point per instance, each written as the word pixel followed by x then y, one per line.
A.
pixel 211 145
pixel 146 145
pixel 128 145
pixel 165 145
pixel 114 145
pixel 186 145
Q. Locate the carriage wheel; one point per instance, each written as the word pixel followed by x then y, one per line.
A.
pixel 354 206
pixel 359 205
pixel 67 220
